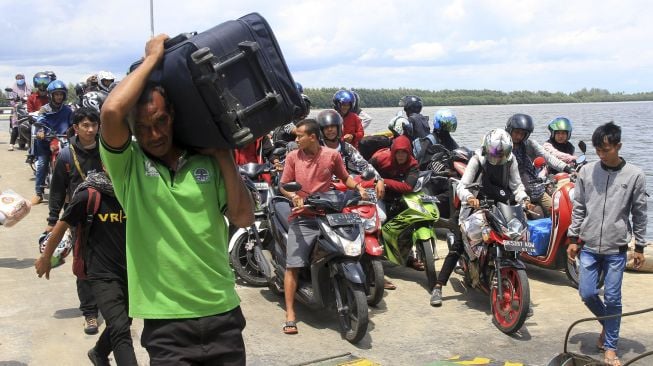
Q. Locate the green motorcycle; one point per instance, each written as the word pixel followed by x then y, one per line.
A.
pixel 413 226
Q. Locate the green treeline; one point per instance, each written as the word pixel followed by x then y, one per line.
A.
pixel 373 98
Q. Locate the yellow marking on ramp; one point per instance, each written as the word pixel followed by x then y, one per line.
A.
pixel 359 362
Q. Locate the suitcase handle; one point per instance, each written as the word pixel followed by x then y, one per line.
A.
pixel 211 82
pixel 181 37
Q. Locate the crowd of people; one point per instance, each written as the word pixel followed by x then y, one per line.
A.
pixel 168 264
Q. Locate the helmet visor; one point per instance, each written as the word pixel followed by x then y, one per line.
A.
pixel 560 124
pixel 498 155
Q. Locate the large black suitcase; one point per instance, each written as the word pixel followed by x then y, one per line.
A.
pixel 228 85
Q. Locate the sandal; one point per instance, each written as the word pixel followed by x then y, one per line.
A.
pixel 290 327
pixel 389 285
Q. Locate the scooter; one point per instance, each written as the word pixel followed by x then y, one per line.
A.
pixel 371 260
pixel 550 234
pixel 493 237
pixel 335 277
pixel 413 226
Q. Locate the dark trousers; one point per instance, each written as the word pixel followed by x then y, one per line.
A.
pixel 210 340
pixel 14 135
pixel 112 300
pixel 87 303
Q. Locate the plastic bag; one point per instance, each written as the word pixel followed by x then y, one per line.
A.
pixel 13 207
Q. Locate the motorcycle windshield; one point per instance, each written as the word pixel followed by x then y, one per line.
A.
pixel 330 201
pixel 509 212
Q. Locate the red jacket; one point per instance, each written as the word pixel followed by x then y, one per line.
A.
pixel 36 101
pixel 397 178
pixel 352 125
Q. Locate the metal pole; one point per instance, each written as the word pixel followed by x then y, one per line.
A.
pixel 152 17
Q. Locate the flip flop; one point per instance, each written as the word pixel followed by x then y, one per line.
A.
pixel 389 285
pixel 612 361
pixel 290 327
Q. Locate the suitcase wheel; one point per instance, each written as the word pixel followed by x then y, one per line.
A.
pixel 243 137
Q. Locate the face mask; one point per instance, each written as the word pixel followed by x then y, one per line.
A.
pixel 20 82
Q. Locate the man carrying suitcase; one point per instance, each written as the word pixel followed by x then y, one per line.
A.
pixel 180 281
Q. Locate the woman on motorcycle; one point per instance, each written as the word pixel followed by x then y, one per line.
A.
pixel 558 144
pixel 20 90
pixel 352 127
pixel 495 167
pixel 399 171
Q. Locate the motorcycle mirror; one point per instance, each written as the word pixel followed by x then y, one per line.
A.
pixel 582 146
pixel 9 90
pixel 279 151
pixel 581 159
pixel 292 187
pixel 539 162
pixel 368 174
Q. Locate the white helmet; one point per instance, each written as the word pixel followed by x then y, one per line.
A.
pixel 400 125
pixel 497 147
pixel 62 250
pixel 102 76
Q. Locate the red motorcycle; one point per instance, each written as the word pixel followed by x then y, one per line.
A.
pixel 550 234
pixel 494 236
pixel 371 259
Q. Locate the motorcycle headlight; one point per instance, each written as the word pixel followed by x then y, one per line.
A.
pixel 352 248
pixel 369 224
pixel 515 228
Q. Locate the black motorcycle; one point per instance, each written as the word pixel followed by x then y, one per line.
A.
pixel 335 278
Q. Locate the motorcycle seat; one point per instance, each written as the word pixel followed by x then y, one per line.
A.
pixel 281 210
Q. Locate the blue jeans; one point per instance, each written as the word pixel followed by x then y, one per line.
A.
pixel 591 267
pixel 42 166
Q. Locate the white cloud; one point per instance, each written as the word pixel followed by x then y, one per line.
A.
pixel 501 44
pixel 418 52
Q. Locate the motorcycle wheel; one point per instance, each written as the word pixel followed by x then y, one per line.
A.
pixel 244 262
pixel 374 276
pixel 354 319
pixel 510 300
pixel 571 269
pixel 425 248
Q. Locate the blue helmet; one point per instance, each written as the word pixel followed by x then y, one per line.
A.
pixel 445 120
pixel 343 97
pixel 41 81
pixel 57 85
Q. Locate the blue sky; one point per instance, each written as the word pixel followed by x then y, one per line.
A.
pixel 457 44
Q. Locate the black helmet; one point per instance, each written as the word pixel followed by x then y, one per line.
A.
pixel 520 121
pixel 356 108
pixel 79 89
pixel 41 81
pixel 412 104
pixel 330 117
pixel 51 75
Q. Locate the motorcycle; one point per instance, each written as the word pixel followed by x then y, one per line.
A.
pixel 23 119
pixel 243 240
pixel 56 142
pixel 550 234
pixel 494 236
pixel 335 277
pixel 413 226
pixel 371 260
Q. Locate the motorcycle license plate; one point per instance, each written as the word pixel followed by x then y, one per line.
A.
pixel 261 186
pixel 519 246
pixel 429 199
pixel 341 219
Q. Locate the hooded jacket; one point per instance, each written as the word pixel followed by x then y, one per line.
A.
pixel 398 178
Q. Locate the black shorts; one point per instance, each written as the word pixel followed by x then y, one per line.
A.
pixel 210 340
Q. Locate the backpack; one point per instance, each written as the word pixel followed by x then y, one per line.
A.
pixel 82 232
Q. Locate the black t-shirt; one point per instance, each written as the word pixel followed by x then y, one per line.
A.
pixel 105 249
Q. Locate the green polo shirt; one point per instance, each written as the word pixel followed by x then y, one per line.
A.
pixel 177 260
